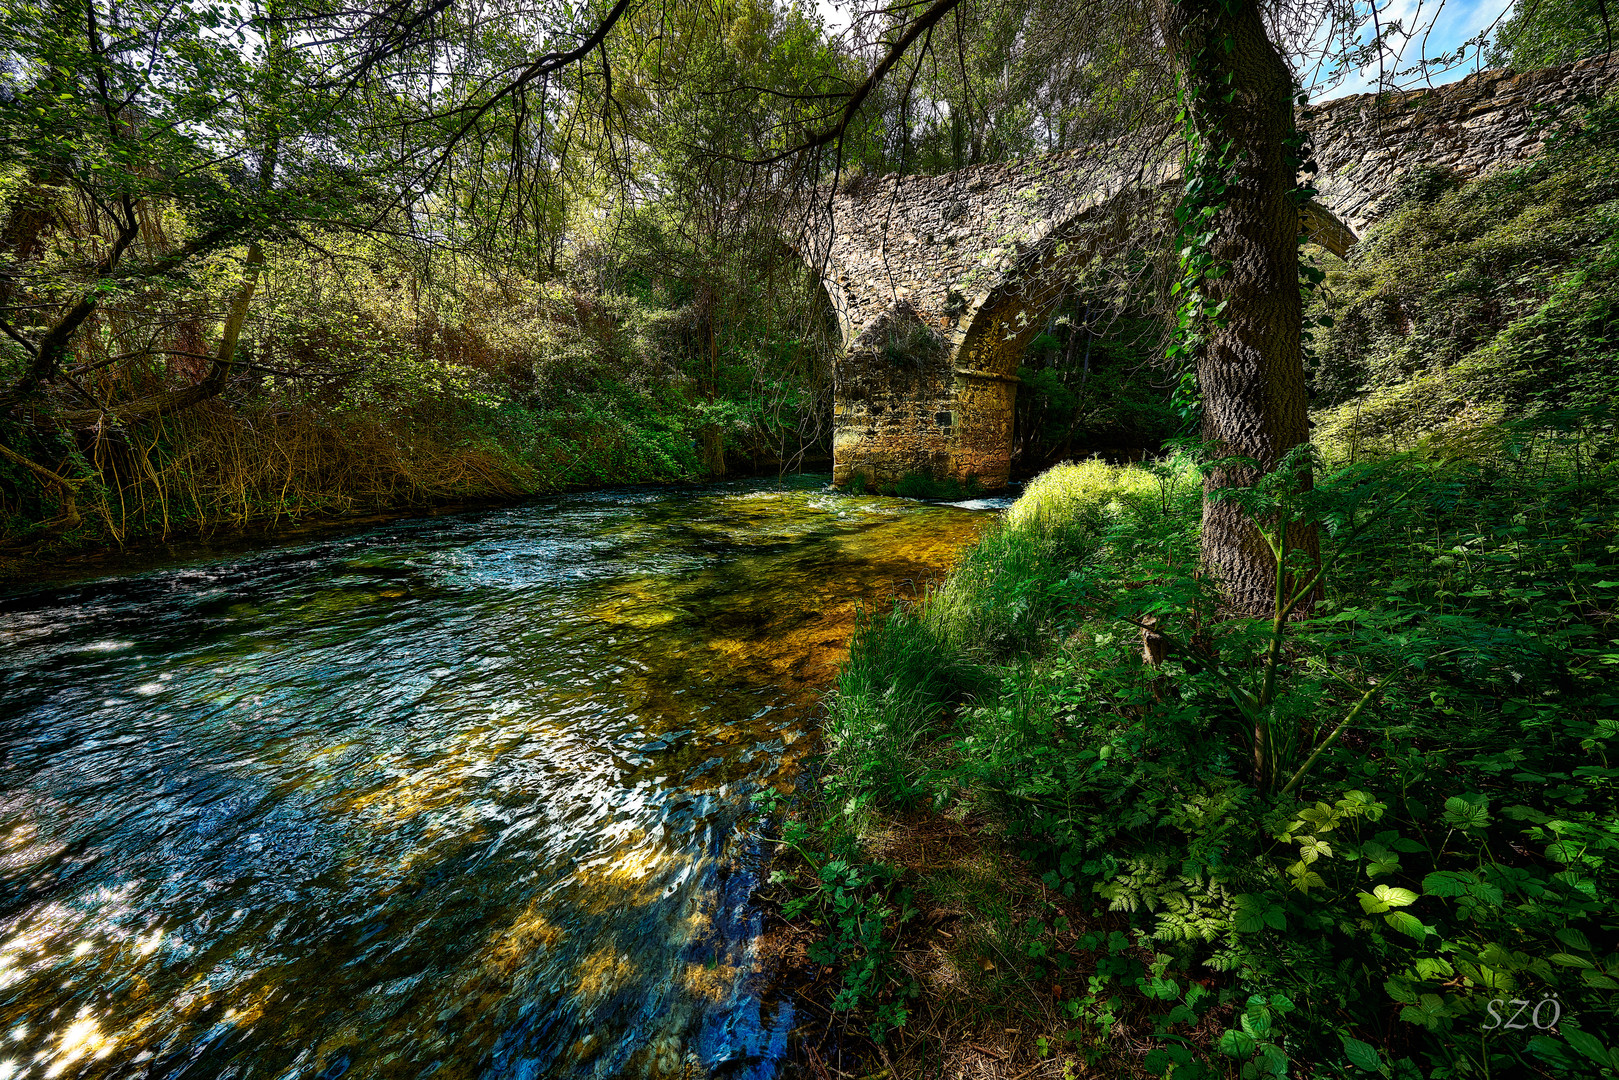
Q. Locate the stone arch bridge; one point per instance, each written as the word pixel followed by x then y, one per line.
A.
pixel 939 283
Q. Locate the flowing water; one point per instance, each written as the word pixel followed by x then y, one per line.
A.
pixel 460 796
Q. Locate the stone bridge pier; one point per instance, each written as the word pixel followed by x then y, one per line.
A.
pixel 940 283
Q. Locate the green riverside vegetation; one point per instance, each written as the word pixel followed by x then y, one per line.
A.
pixel 1372 835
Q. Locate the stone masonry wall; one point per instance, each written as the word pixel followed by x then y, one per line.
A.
pixel 1489 121
pixel 975 257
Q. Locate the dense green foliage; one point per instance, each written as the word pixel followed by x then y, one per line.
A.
pixel 1094 384
pixel 1438 828
pixel 1548 32
pixel 512 326
pixel 372 389
pixel 1479 300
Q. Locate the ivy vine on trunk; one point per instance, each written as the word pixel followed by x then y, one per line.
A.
pixel 1241 309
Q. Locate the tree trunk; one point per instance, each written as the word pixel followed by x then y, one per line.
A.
pixel 1251 370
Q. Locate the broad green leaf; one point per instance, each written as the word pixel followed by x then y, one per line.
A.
pixel 1362 1055
pixel 1434 968
pixel 1568 960
pixel 1444 883
pixel 1238 1044
pixel 1467 812
pixel 1588 1045
pixel 1573 938
pixel 1371 905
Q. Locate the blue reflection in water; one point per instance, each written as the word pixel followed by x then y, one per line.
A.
pixel 452 797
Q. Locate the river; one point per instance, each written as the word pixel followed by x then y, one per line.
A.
pixel 459 796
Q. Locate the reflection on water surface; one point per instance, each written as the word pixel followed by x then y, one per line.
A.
pixel 453 797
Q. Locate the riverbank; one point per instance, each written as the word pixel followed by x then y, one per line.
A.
pixel 57 565
pixel 1036 854
pixel 151 536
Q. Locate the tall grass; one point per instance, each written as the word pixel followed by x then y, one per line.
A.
pixel 1008 595
pixel 216 466
pixel 228 466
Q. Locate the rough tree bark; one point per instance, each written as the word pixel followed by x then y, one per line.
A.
pixel 1251 372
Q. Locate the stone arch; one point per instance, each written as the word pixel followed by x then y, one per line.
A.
pixel 979 255
pixel 998 326
pixel 799 245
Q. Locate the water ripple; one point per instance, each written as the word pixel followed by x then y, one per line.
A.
pixel 454 796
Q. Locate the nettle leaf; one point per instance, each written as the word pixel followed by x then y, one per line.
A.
pixel 1407 924
pixel 1305 879
pixel 1434 968
pixel 1446 883
pixel 1589 1045
pixel 1253 912
pixel 1568 960
pixel 1362 1055
pixel 1319 814
pixel 1467 812
pixel 1312 849
pixel 1552 1050
pixel 1379 859
pixel 1384 897
pixel 1401 990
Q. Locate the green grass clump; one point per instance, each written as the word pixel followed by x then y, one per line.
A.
pixel 1015 589
pixel 1011 591
pixel 1087 492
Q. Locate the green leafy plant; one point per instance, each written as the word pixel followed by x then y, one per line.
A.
pixel 1402 805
